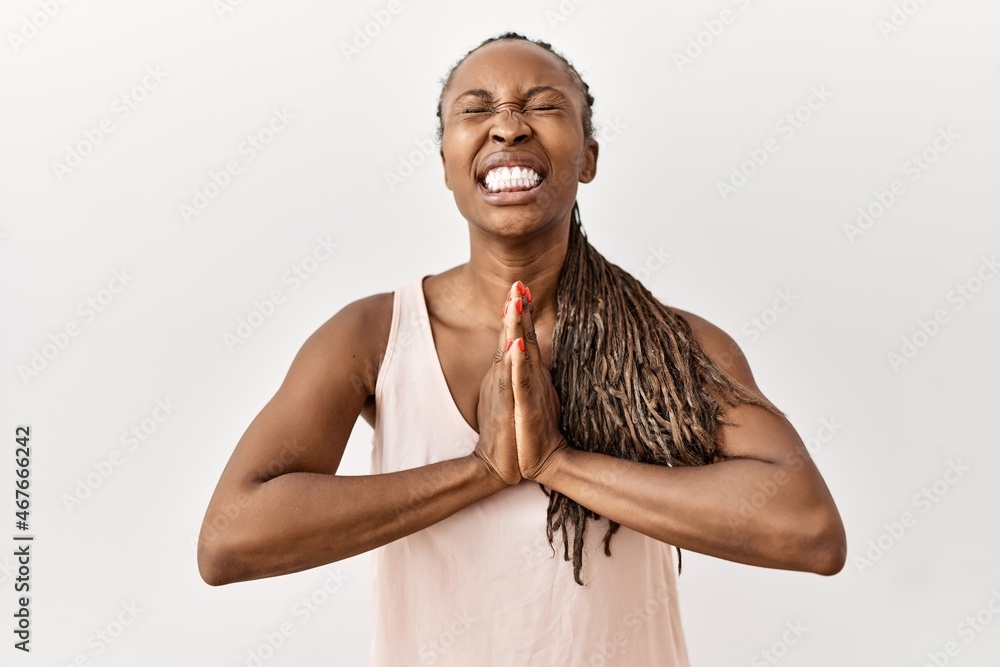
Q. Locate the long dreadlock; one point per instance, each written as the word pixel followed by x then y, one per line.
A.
pixel 632 379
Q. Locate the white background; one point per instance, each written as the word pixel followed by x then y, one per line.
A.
pixel 671 133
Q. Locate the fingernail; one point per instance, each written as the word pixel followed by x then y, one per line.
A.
pixel 527 293
pixel 509 343
pixel 520 344
pixel 518 306
pixel 504 313
pixel 520 288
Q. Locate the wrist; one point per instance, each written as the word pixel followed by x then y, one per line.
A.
pixel 486 475
pixel 551 471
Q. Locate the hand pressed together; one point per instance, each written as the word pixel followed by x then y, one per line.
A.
pixel 519 409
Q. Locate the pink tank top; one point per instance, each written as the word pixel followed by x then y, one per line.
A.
pixel 481 588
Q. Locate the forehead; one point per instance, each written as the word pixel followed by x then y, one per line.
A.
pixel 510 65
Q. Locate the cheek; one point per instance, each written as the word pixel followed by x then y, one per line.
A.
pixel 458 162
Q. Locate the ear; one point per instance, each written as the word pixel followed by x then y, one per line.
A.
pixel 444 165
pixel 590 150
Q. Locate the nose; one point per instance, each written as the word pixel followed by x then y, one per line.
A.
pixel 510 128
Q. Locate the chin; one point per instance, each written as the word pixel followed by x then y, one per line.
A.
pixel 515 221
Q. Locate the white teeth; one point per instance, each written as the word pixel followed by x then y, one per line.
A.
pixel 511 178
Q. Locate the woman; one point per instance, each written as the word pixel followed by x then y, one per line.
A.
pixel 587 419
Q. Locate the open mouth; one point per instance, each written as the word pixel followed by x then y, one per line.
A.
pixel 511 179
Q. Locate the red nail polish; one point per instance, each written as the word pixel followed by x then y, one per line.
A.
pixel 520 288
pixel 518 306
pixel 509 343
pixel 527 293
pixel 520 344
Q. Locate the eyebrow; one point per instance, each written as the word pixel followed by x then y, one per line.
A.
pixel 485 95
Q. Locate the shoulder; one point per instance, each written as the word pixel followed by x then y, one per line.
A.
pixel 353 339
pixel 719 346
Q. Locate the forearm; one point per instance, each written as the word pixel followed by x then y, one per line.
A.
pixel 301 520
pixel 744 510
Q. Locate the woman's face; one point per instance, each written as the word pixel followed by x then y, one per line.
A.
pixel 512 104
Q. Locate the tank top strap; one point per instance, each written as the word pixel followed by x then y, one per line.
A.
pixel 416 419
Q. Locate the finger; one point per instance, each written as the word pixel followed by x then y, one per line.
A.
pixel 504 340
pixel 532 350
pixel 503 383
pixel 513 311
pixel 503 343
pixel 497 380
pixel 521 376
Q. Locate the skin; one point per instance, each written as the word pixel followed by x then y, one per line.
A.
pixel 281 507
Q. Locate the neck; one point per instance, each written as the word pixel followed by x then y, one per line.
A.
pixel 495 262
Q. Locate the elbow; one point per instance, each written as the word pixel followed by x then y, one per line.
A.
pixel 210 566
pixel 828 546
pixel 217 560
pixel 223 543
pixel 834 557
pixel 830 560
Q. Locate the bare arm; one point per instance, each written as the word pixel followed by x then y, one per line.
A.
pixel 767 506
pixel 279 506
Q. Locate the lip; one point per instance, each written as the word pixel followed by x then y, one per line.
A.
pixel 508 198
pixel 510 159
